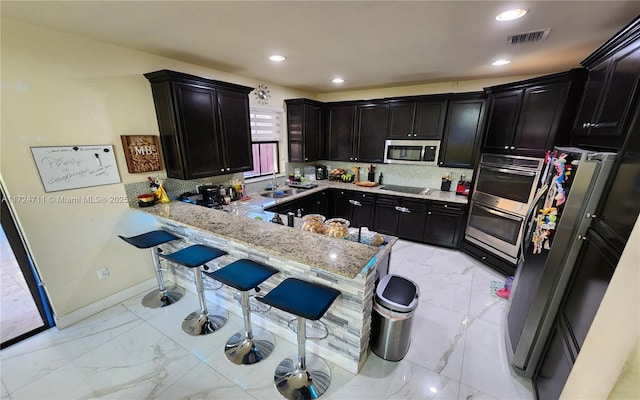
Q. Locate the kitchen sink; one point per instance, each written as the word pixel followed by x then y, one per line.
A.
pixel 278 194
pixel 406 189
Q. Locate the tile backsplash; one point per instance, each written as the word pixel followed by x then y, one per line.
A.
pixel 395 174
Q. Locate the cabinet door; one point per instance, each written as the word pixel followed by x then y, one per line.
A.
pixel 462 133
pixel 590 278
pixel 235 131
pixel 412 219
pixel 386 216
pixel 311 132
pixel 591 98
pixel 445 224
pixel 295 140
pixel 401 120
pixel 429 119
pixel 322 203
pixel 540 114
pixel 201 149
pixel 341 120
pixel 617 98
pixel 372 131
pixel 555 367
pixel 341 206
pixel 502 121
pixel 363 210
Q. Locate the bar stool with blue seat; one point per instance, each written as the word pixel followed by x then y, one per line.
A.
pixel 246 347
pixel 199 322
pixel 306 377
pixel 164 295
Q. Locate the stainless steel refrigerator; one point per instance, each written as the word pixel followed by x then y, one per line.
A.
pixel 563 210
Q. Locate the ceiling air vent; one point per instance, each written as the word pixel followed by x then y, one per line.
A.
pixel 529 37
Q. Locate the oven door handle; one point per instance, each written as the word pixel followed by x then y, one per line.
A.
pixel 499 213
pixel 511 171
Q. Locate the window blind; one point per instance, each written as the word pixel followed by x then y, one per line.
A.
pixel 265 124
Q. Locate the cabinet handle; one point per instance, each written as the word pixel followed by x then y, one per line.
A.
pixel 222 170
pixel 306 159
pixel 513 147
pixel 415 134
pixel 403 209
pixel 228 169
pixel 484 257
pixel 351 158
pixel 408 134
pixel 355 203
pixel 440 163
pixel 356 158
pixel 446 205
pixel 506 147
pixel 429 213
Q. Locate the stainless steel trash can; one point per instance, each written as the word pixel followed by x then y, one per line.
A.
pixel 393 310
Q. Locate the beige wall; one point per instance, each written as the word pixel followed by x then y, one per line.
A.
pixel 59 89
pixel 613 336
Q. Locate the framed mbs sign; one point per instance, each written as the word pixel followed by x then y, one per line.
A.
pixel 142 153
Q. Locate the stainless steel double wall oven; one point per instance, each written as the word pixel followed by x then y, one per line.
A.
pixel 504 190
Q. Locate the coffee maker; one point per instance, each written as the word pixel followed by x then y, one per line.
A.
pixel 321 172
pixel 211 194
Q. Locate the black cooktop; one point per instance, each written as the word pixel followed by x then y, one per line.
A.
pixel 403 189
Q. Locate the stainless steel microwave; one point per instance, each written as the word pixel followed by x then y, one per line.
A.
pixel 418 152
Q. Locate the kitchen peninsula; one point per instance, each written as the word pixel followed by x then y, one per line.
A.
pixel 342 264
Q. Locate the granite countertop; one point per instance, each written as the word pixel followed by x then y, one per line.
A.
pixel 340 256
pixel 433 194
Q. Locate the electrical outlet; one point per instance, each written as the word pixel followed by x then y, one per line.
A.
pixel 103 273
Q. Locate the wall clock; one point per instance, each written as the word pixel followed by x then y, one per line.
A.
pixel 262 94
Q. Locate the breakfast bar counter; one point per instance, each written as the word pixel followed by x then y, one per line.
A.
pixel 347 266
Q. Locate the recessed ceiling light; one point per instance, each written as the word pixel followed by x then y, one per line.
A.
pixel 277 58
pixel 497 63
pixel 337 80
pixel 510 15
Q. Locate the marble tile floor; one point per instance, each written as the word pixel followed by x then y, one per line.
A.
pixel 129 352
pixel 18 311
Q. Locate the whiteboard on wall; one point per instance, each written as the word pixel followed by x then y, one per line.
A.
pixel 72 167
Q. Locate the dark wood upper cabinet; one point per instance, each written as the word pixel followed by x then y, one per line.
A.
pixel 341 119
pixel 417 117
pixel 463 130
pixel 356 131
pixel 233 111
pixel 530 117
pixel 204 125
pixel 304 127
pixel 371 132
pixel 502 120
pixel 611 91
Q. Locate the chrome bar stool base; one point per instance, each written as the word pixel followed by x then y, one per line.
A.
pixel 241 350
pixel 295 383
pixel 158 299
pixel 199 324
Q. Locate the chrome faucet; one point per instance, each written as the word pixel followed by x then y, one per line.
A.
pixel 274 183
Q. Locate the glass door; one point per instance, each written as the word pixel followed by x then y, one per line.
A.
pixel 24 306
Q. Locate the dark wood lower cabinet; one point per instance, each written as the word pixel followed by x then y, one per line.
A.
pixel 555 367
pixel 589 281
pixel 445 224
pixel 412 219
pixel 386 217
pixel 419 220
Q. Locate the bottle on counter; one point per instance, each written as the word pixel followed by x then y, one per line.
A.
pixel 380 179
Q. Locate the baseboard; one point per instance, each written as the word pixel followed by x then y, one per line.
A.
pixel 102 304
